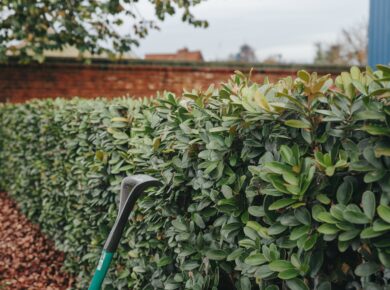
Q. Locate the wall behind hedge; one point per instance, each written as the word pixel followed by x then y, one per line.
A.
pixel 138 78
pixel 266 186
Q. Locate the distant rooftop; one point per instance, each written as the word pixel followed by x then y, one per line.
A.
pixel 182 54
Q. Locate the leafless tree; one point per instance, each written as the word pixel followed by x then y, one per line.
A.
pixel 350 49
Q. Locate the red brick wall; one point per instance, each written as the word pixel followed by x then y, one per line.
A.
pixel 68 78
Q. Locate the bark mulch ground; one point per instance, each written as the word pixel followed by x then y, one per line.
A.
pixel 28 259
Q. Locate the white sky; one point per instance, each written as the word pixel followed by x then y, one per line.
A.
pixel 287 27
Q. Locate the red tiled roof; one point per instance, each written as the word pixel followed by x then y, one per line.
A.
pixel 181 54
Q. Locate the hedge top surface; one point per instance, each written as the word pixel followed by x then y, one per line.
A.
pixel 266 186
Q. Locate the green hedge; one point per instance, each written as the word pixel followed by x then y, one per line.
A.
pixel 266 186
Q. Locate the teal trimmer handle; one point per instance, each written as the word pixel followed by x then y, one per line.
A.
pixel 131 189
pixel 101 270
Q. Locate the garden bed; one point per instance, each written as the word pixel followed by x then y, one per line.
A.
pixel 28 259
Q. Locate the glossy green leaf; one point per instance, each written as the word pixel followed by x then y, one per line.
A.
pixel 296 284
pixel 298 232
pixel 303 215
pixel 297 124
pixel 369 204
pixel 369 233
pixel 356 217
pixel 216 254
pixel 328 229
pixel 281 203
pixel 366 269
pixel 349 235
pixel 280 265
pixel 384 212
pixel 288 274
pixel 255 260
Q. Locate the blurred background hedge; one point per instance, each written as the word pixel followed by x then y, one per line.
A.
pixel 266 186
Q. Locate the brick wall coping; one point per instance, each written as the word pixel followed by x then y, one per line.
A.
pixel 105 64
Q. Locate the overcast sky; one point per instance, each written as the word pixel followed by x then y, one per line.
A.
pixel 286 27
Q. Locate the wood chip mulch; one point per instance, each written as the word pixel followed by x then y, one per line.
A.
pixel 28 260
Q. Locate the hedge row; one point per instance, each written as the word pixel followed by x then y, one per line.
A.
pixel 270 186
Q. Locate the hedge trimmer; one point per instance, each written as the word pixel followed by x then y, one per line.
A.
pixel 132 188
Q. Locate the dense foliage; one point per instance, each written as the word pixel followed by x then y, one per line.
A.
pixel 266 186
pixel 28 28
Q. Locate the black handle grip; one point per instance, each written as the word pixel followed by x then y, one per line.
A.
pixel 132 188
